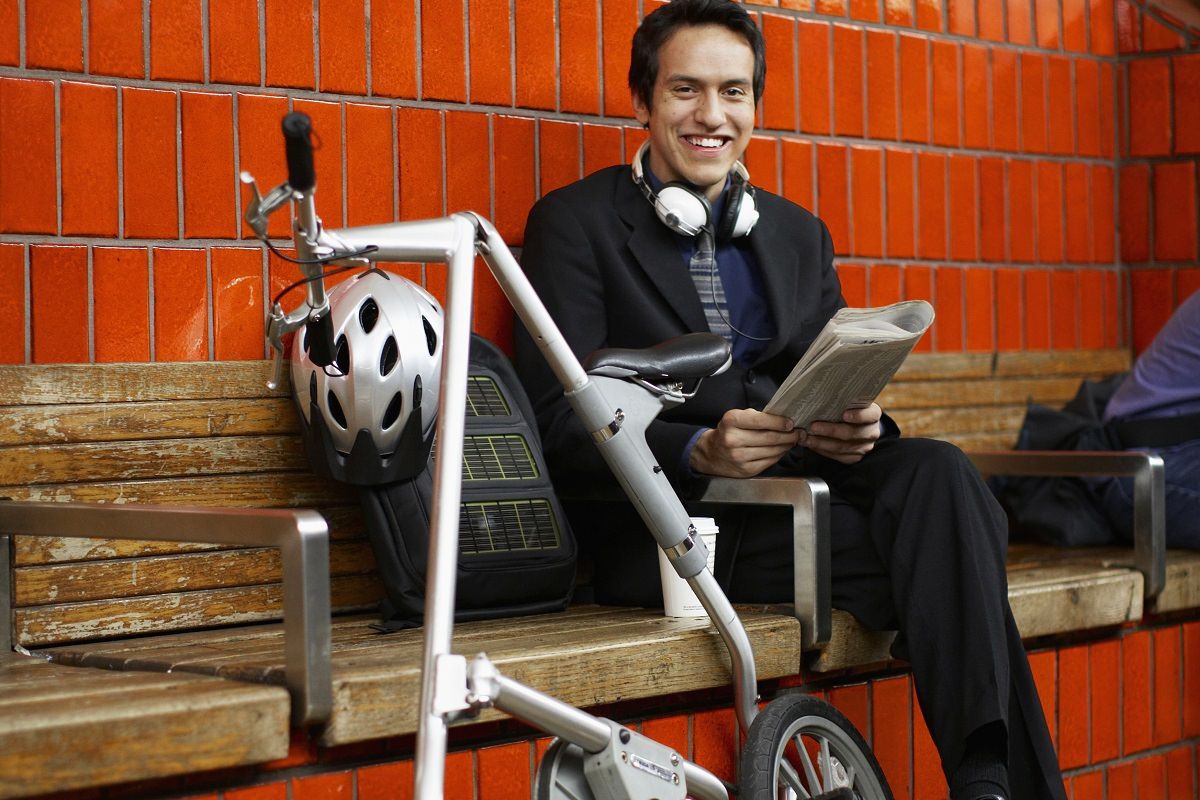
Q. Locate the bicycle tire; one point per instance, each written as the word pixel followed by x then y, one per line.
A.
pixel 843 759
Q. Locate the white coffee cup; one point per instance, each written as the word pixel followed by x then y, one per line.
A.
pixel 678 598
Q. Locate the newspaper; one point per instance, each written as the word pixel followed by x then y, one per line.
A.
pixel 851 360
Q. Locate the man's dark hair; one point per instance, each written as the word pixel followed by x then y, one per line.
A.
pixel 660 24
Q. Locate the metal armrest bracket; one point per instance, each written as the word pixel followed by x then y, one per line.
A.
pixel 301 536
pixel 1149 493
pixel 809 501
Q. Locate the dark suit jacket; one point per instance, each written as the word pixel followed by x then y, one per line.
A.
pixel 612 275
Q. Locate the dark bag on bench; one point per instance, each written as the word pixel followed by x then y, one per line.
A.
pixel 516 554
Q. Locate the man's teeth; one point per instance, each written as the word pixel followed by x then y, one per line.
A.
pixel 700 141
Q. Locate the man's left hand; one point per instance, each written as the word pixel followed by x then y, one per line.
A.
pixel 846 441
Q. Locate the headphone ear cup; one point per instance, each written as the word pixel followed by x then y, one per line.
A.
pixel 733 208
pixel 747 214
pixel 682 210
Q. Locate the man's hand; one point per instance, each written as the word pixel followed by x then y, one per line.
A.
pixel 846 441
pixel 744 443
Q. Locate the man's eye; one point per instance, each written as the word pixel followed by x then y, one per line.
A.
pixel 735 91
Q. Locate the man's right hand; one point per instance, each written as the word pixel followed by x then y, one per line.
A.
pixel 744 443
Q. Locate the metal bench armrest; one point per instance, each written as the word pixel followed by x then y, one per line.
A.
pixel 809 500
pixel 1149 495
pixel 301 536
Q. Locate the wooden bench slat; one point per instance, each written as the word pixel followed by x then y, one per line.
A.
pixel 945 422
pixel 265 490
pixel 943 394
pixel 136 577
pixel 115 422
pixel 64 728
pixel 1079 363
pixel 43 384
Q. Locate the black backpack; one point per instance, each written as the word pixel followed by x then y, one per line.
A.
pixel 516 552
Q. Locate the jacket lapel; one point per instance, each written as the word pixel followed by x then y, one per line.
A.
pixel 778 261
pixel 654 248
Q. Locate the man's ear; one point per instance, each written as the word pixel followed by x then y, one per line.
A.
pixel 640 110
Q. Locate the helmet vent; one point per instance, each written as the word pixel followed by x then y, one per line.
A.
pixel 312 388
pixel 389 356
pixel 368 315
pixel 393 411
pixel 335 410
pixel 416 401
pixel 430 335
pixel 342 355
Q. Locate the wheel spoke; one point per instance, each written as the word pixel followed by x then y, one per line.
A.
pixel 826 766
pixel 788 775
pixel 813 780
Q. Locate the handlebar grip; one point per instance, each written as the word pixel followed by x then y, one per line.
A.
pixel 318 336
pixel 296 129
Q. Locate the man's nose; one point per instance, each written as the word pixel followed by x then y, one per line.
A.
pixel 709 110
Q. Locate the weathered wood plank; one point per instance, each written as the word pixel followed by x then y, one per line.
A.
pixel 42 384
pixel 68 728
pixel 945 366
pixel 266 490
pixel 137 577
pixel 950 394
pixel 113 422
pixel 1077 363
pixel 943 422
pixel 163 458
pixel 1182 589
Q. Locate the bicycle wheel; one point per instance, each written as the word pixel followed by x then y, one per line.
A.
pixel 800 747
pixel 560 775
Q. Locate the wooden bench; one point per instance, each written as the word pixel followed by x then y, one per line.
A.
pixel 211 435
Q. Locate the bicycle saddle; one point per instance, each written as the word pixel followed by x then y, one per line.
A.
pixel 687 357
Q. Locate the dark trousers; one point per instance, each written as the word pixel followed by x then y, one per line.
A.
pixel 918 546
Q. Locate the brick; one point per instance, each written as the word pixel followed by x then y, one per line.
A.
pixel 1107 124
pixel 928 780
pixel 1033 103
pixel 515 174
pixel 1074 26
pixel 1073 721
pixel 891 732
pixel 1175 211
pixel 1181 774
pixel 28 174
pixel 848 47
pixel 898 13
pixel 1120 782
pixel 618 21
pixel 929 15
pixel 536 71
pixel 12 303
pixel 237 292
pixel 1009 310
pixel 798 172
pixel 931 191
pixel 1116 299
pixel 1134 213
pixel 944 64
pixel 881 85
pixel 289 25
pixel 866 167
pixel 180 305
pixel 948 304
pixel 149 164
pixel 883 283
pixel 962 202
pixel 1191 679
pixel 1103 213
pixel 58 303
pixel 115 42
pixel 991 21
pixel 579 71
pixel 670 731
pixel 1157 37
pixel 991 209
pixel 1186 91
pixel 233 51
pixel 601 147
pixel 1135 660
pixel 1149 107
pixel 1021 210
pixel 1151 776
pixel 961 17
pixel 1064 309
pixel 813 44
pixel 176 40
pixel 1004 96
pixel 1020 22
pixel 208 175
pixel 1168 666
pixel 327 156
pixel 121 304
pixel 342 44
pixel 1046 18
pixel 866 10
pixel 853 278
pixel 392 781
pixel 504 772
pixel 1049 176
pixel 1037 321
pixel 272 791
pixel 420 155
pixel 369 164
pixel 762 160
pixel 975 112
pixel 559 154
pixel 778 102
pixel 914 93
pixel 835 8
pixel 394 48
pixel 1093 316
pixel 1061 123
pixel 901 209
pixel 1044 667
pixel 980 311
pixel 10 33
pixel 443 55
pixel 832 194
pixel 1087 106
pixel 1088 786
pixel 467 164
pixel 1187 281
pixel 1128 33
pixel 1077 204
pixel 54 35
pixel 261 152
pixel 714 742
pixel 88 129
pixel 1103 36
pixel 333 786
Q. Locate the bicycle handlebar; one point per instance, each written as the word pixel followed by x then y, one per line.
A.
pixel 297 128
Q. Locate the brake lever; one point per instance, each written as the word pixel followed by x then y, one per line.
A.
pixel 260 208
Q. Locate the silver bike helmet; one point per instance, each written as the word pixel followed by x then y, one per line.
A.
pixel 369 416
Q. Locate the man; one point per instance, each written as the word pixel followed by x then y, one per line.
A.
pixel 628 257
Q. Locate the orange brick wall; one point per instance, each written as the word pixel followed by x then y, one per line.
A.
pixel 978 153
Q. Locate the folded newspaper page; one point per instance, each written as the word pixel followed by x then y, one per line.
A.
pixel 851 360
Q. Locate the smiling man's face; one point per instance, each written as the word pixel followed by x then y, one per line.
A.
pixel 702 111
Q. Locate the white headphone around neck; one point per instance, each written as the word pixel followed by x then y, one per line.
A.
pixel 684 210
